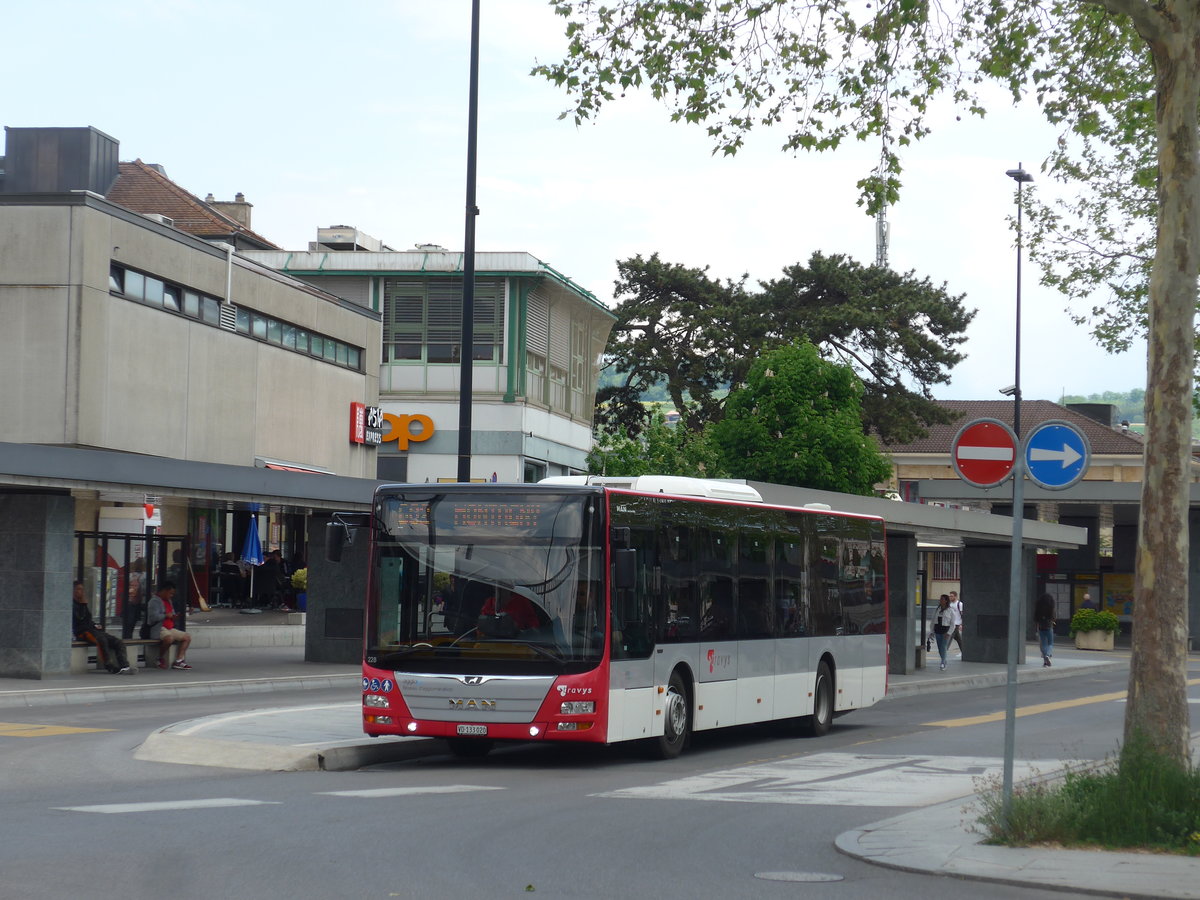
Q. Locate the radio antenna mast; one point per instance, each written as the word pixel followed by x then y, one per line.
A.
pixel 882 233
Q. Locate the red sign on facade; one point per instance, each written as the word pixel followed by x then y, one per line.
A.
pixel 984 453
pixel 366 424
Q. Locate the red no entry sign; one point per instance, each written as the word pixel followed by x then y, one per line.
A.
pixel 984 452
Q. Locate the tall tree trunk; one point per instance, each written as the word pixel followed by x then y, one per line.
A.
pixel 1157 707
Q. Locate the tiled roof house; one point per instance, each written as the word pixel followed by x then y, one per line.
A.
pixel 1116 451
pixel 145 189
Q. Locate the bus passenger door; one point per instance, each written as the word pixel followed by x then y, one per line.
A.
pixel 631 670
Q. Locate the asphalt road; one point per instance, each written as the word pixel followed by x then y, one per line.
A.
pixel 745 813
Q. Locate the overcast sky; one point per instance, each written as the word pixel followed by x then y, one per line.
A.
pixel 355 114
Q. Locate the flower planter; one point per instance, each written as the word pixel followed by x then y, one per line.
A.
pixel 1093 640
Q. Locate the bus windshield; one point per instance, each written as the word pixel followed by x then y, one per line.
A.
pixel 486 580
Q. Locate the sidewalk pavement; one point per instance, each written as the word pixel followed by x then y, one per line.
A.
pixel 934 840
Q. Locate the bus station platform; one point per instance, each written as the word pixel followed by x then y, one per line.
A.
pixel 328 736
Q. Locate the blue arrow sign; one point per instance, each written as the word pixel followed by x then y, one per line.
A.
pixel 1056 455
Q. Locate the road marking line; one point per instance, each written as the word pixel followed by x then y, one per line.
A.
pixel 1039 708
pixel 18 729
pixel 400 792
pixel 167 806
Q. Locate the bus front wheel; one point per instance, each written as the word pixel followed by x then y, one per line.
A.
pixel 678 712
pixel 819 722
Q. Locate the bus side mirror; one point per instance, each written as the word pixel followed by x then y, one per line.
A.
pixel 337 536
pixel 626 566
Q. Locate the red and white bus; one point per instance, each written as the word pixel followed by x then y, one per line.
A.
pixel 637 609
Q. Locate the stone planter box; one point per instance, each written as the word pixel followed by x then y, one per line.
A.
pixel 1094 640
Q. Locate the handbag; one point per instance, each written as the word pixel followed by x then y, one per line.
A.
pixel 145 631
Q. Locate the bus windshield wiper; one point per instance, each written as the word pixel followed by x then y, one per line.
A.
pixel 401 652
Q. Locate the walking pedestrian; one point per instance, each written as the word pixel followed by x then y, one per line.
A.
pixel 942 623
pixel 1043 615
pixel 956 631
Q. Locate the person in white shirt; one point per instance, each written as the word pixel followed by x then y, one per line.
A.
pixel 957 608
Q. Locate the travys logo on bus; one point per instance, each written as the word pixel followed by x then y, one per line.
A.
pixel 563 690
pixel 718 661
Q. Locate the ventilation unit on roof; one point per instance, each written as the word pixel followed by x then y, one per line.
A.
pixel 160 219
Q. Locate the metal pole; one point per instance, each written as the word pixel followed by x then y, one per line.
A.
pixel 1018 513
pixel 1014 628
pixel 467 345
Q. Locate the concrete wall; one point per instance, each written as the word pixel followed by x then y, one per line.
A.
pixel 81 366
pixel 36 551
pixel 336 598
pixel 986 596
pixel 902 603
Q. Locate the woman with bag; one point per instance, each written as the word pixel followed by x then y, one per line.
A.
pixel 942 623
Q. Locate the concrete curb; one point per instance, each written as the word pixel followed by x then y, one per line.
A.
pixel 914 842
pixel 132 690
pixel 956 682
pixel 165 747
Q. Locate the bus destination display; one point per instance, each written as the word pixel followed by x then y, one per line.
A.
pixel 466 515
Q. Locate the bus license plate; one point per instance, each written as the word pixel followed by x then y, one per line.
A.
pixel 472 729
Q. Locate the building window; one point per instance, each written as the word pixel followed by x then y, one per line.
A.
pixel 422 319
pixel 175 298
pixel 945 565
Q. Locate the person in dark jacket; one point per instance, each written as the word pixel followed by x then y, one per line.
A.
pixel 1043 615
pixel 109 649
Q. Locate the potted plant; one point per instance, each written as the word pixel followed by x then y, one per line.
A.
pixel 1094 629
pixel 300 585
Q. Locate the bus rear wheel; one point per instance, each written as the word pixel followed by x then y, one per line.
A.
pixel 678 725
pixel 819 722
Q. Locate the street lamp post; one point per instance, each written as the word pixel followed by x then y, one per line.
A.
pixel 1018 515
pixel 1020 176
pixel 466 386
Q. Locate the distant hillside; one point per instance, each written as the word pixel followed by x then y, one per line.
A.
pixel 1131 406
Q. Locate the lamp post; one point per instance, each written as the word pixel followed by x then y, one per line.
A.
pixel 1020 176
pixel 467 344
pixel 1018 513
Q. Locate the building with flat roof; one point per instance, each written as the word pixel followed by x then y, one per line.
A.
pixel 536 355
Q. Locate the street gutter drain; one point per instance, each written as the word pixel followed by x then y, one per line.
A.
pixel 798 876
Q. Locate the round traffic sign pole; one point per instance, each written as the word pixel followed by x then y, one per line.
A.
pixel 984 452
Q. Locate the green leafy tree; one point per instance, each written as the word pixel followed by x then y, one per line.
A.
pixel 830 70
pixel 797 420
pixel 672 328
pixel 660 448
pixel 892 329
pixel 677 326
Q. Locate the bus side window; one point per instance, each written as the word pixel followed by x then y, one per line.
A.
pixel 631 613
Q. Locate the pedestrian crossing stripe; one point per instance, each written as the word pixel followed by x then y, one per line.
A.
pixel 167 805
pixel 409 791
pixel 843 779
pixel 27 730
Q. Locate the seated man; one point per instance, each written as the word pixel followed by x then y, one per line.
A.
pixel 109 649
pixel 161 618
pixel 516 606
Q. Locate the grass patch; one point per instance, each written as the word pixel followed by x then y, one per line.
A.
pixel 1138 802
